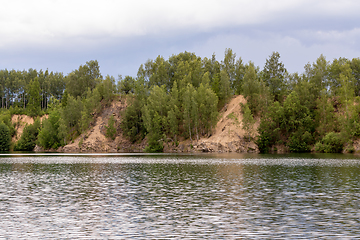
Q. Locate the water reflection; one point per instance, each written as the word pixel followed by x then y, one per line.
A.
pixel 172 196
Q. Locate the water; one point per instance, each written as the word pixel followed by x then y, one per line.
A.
pixel 179 196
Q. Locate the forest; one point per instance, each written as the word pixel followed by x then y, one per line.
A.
pixel 180 98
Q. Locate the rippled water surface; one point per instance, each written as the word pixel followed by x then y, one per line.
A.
pixel 179 196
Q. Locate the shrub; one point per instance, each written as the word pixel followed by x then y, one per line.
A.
pixel 5 137
pixel 330 143
pixel 28 138
pixel 111 129
pixel 300 142
pixel 155 143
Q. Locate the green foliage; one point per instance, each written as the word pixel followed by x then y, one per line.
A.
pixel 126 85
pixel 87 76
pixel 248 120
pixel 274 74
pixel 106 89
pixel 111 128
pixel 49 135
pixel 5 117
pixel 180 97
pixel 330 143
pixel 5 137
pixel 270 127
pixel 291 124
pixel 155 144
pixel 132 123
pixel 300 141
pixel 34 106
pixel 28 138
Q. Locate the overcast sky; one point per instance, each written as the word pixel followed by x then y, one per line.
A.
pixel 61 35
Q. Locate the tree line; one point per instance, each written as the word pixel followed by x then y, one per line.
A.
pixel 180 98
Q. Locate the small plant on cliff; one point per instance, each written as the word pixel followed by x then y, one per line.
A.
pixel 247 121
pixel 111 129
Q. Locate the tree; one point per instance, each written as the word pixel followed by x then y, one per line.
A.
pixel 239 76
pixel 155 116
pixel 355 67
pixel 248 120
pixel 251 88
pixel 34 107
pixel 188 104
pixel 28 138
pixel 87 76
pixel 347 87
pixel 174 114
pixel 5 137
pixel 318 75
pixel 126 85
pixel 274 74
pixel 207 102
pixel 110 128
pixel 228 65
pixel 325 115
pixel 224 88
pixel 48 135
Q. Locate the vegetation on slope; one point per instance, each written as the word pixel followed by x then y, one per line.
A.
pixel 179 98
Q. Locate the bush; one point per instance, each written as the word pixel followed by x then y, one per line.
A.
pixel 300 142
pixel 155 144
pixel 5 137
pixel 331 143
pixel 111 129
pixel 28 138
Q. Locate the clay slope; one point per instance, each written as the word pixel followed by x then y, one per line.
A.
pixel 20 122
pixel 229 135
pixel 94 139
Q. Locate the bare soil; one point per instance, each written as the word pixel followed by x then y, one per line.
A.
pixel 95 140
pixel 228 135
pixel 20 122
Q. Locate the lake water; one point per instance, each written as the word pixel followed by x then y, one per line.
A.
pixel 141 196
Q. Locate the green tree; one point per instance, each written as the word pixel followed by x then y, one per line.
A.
pixel 28 138
pixel 318 75
pixel 325 115
pixel 251 88
pixel 228 65
pixel 5 137
pixel 34 107
pixel 274 74
pixel 248 120
pixel 48 135
pixel 188 104
pixel 111 128
pixel 126 85
pixel 87 76
pixel 174 114
pixel 155 116
pixel 224 93
pixel 330 143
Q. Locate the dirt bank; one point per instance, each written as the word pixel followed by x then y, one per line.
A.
pixel 20 122
pixel 228 135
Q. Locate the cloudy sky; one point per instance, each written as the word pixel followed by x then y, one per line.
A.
pixel 61 35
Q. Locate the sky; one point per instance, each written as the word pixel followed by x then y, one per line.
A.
pixel 61 35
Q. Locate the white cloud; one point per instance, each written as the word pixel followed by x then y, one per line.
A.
pixel 52 21
pixel 112 30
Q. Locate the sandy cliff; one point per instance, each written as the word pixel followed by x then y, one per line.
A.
pixel 228 135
